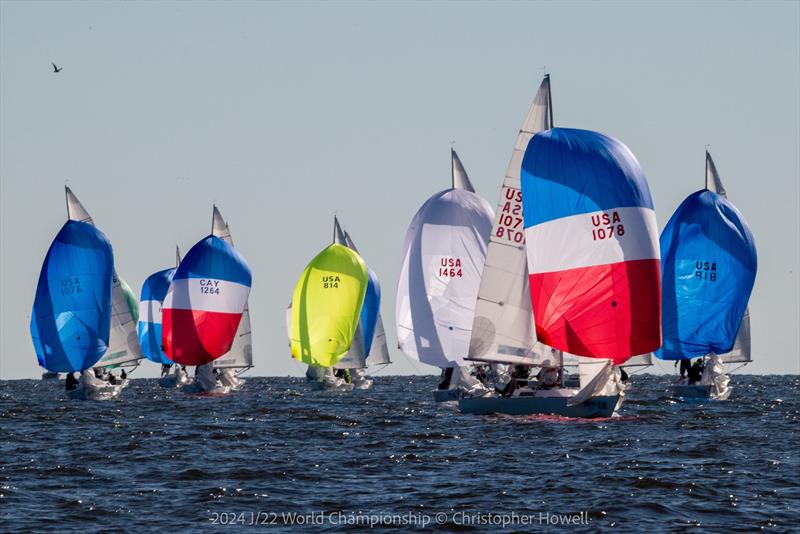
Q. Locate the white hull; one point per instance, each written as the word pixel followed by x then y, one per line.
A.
pixel 172 381
pixel 195 389
pixel 337 385
pixel 98 393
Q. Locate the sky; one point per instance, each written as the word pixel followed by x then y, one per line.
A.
pixel 286 113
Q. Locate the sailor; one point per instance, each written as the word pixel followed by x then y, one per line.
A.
pixel 686 364
pixel 519 379
pixel 623 376
pixel 695 372
pixel 447 375
pixel 548 375
pixel 165 369
pixel 123 375
pixel 111 378
pixel 71 382
pixel 482 376
pixel 205 378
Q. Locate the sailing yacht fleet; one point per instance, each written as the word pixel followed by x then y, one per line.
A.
pixel 537 306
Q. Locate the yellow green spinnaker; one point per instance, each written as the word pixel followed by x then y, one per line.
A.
pixel 326 306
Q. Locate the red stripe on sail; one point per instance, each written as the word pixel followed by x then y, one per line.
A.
pixel 604 311
pixel 193 337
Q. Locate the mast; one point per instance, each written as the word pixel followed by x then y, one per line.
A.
pixel 549 101
pixel 503 327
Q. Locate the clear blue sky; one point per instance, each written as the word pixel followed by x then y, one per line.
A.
pixel 283 113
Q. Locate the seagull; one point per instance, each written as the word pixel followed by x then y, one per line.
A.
pixel 56 68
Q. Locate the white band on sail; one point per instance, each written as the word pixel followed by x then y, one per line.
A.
pixel 206 294
pixel 589 239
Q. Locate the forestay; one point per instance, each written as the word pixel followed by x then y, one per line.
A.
pixel 204 303
pixel 591 239
pixel 241 353
pixel 443 257
pixel 709 268
pixel 71 318
pixel 503 329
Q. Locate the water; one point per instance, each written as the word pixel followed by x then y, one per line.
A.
pixel 158 459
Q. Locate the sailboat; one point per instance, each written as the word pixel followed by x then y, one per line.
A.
pixel 503 331
pixel 203 308
pixel 371 328
pixel 72 311
pixel 240 358
pixel 709 268
pixel 324 317
pixel 154 289
pixel 590 240
pixel 443 258
pixel 123 349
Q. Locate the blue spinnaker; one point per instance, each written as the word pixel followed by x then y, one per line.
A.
pixel 154 290
pixel 708 257
pixel 370 309
pixel 71 318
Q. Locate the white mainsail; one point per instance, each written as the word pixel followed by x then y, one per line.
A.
pixel 443 257
pixel 642 360
pixel 123 344
pixel 503 328
pixel 241 354
pixel 379 353
pixel 460 178
pixel 740 353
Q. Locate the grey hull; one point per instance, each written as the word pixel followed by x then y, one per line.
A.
pixel 594 407
pixel 692 392
pixel 445 395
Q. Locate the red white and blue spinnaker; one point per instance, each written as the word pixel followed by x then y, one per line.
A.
pixel 205 302
pixel 592 245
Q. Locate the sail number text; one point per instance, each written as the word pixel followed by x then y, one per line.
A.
pixel 449 267
pixel 70 285
pixel 509 220
pixel 606 226
pixel 330 281
pixel 209 287
pixel 705 270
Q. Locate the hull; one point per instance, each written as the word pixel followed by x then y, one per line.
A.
pixel 338 386
pixel 556 405
pixel 363 384
pixel 172 381
pixel 445 395
pixel 106 392
pixel 194 389
pixel 696 391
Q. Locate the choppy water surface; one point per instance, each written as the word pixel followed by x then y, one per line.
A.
pixel 159 458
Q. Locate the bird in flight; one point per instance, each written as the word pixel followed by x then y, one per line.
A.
pixel 56 68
